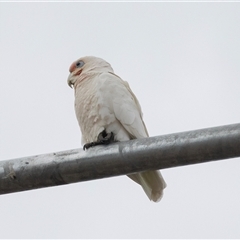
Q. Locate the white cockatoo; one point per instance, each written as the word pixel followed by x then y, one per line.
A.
pixel 107 110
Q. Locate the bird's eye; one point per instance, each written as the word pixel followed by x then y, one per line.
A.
pixel 79 64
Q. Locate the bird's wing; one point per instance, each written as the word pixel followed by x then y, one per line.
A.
pixel 127 109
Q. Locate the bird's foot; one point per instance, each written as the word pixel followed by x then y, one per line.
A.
pixel 103 138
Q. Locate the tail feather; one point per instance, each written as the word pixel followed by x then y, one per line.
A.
pixel 152 183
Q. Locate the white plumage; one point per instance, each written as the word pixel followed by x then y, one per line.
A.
pixel 103 101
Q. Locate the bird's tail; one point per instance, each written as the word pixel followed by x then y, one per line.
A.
pixel 152 183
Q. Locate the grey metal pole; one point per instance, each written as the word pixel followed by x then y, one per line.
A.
pixel 120 158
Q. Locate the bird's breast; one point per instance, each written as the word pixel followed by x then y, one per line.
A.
pixel 93 111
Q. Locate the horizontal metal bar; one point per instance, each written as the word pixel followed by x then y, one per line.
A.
pixel 120 158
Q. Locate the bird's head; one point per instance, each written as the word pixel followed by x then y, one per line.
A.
pixel 85 66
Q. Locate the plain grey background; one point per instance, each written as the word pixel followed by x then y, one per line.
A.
pixel 182 62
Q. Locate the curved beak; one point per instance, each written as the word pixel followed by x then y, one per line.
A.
pixel 72 77
pixel 69 80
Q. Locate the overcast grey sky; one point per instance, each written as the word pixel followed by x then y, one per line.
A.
pixel 182 60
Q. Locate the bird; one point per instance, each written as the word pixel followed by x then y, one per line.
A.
pixel 108 111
